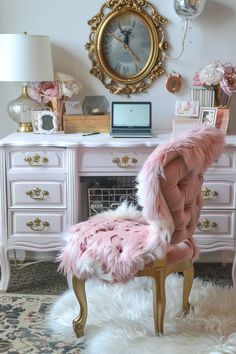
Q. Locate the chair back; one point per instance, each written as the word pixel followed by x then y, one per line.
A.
pixel 170 182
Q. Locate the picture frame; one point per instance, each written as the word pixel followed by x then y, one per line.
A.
pixel 207 116
pixel 44 122
pixel 187 108
pixel 222 119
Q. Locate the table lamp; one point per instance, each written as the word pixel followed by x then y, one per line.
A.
pixel 25 58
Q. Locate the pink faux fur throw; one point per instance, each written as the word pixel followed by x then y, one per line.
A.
pixel 115 245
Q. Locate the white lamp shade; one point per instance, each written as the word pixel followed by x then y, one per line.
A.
pixel 25 58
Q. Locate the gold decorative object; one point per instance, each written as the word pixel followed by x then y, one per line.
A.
pixel 123 162
pixel 36 160
pixel 37 193
pixel 208 194
pixel 37 225
pixel 206 225
pixel 126 45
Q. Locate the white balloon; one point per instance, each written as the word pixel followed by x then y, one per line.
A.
pixel 189 9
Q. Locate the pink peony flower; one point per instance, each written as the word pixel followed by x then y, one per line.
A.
pixel 196 80
pixel 49 89
pixel 64 85
pixel 44 91
pixel 228 83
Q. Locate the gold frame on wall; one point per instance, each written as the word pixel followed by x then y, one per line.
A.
pixel 141 81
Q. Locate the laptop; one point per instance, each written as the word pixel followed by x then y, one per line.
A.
pixel 131 119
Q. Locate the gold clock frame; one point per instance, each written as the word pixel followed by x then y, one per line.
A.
pixel 152 70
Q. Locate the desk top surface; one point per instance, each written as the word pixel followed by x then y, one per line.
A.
pixel 98 140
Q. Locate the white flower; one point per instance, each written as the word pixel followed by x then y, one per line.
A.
pixel 211 74
pixel 69 89
pixel 67 84
pixel 63 77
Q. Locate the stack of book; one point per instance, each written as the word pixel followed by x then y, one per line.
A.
pixel 206 97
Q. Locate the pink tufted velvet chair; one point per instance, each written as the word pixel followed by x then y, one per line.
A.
pixel 116 246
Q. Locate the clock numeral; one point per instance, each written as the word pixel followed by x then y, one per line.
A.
pixel 137 68
pixel 126 69
pixel 118 67
pixel 129 20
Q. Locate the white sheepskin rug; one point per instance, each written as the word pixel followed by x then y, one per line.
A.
pixel 120 319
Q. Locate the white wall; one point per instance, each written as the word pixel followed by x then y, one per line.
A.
pixel 212 38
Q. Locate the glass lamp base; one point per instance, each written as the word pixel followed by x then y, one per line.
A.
pixel 20 110
pixel 25 128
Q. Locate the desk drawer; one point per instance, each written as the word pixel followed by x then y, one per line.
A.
pixel 216 224
pixel 36 159
pixel 218 194
pixel 226 161
pixel 113 160
pixel 36 223
pixel 37 193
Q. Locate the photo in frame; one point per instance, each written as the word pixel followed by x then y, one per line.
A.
pixel 222 119
pixel 207 116
pixel 44 122
pixel 187 108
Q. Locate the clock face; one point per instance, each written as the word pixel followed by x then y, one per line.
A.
pixel 125 45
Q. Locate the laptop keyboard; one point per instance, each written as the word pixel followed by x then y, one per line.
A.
pixel 133 131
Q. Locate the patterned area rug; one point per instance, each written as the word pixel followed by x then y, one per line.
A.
pixel 23 329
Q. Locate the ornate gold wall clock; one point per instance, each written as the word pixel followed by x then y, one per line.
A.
pixel 126 45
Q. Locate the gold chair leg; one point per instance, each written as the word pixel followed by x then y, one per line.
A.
pixel 159 300
pixel 188 283
pixel 80 321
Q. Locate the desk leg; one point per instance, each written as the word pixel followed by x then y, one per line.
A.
pixel 234 271
pixel 5 269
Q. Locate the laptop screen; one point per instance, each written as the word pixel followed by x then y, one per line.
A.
pixel 131 115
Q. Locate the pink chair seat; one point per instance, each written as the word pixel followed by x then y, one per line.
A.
pixel 115 249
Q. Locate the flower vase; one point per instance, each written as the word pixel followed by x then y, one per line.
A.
pixel 58 107
pixel 221 98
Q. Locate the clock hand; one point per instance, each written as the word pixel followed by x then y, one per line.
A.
pixel 125 46
pixel 131 51
pixel 117 38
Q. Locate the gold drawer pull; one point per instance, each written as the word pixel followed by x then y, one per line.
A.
pixel 123 162
pixel 206 225
pixel 37 225
pixel 36 160
pixel 37 193
pixel 208 194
